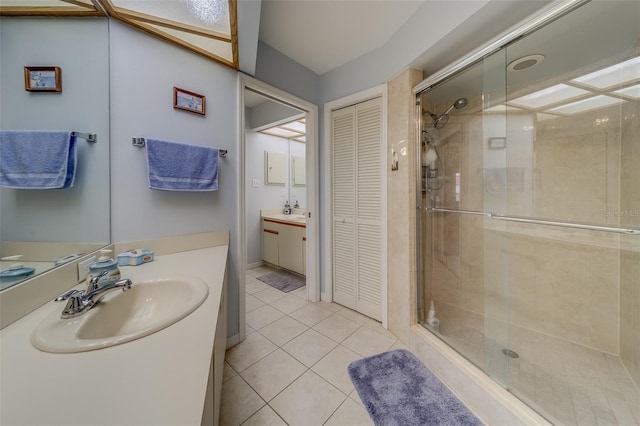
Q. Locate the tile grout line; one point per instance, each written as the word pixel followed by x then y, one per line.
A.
pixel 333 313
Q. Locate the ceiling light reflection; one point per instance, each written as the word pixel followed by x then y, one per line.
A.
pixel 586 105
pixel 295 126
pixel 632 92
pixel 623 72
pixel 548 96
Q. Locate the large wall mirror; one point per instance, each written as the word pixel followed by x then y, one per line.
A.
pixel 48 226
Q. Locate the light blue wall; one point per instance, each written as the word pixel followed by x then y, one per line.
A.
pixel 270 112
pixel 279 70
pixel 248 29
pixel 144 71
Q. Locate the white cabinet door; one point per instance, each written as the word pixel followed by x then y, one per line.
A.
pixel 290 248
pixel 270 235
pixel 275 168
pixel 283 245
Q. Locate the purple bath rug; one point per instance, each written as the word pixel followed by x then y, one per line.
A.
pixel 397 389
pixel 283 280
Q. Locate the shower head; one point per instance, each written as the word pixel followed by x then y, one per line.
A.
pixel 441 121
pixel 460 103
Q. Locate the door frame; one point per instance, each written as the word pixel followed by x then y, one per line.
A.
pixel 327 201
pixel 312 188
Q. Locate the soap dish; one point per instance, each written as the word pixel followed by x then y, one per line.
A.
pixel 25 271
pixel 135 257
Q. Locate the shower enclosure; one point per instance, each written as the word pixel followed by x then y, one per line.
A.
pixel 529 253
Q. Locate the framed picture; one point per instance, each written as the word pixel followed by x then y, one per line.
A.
pixel 189 101
pixel 43 79
pixel 497 143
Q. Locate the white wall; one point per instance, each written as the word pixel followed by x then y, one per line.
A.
pixel 144 71
pixel 266 196
pixel 80 47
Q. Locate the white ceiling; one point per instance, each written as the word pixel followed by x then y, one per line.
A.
pixel 324 34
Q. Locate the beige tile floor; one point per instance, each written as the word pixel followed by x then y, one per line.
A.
pixel 292 367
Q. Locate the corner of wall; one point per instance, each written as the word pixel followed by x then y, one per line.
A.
pixel 401 199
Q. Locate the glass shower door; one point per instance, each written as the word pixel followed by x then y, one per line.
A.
pixel 464 277
pixel 530 232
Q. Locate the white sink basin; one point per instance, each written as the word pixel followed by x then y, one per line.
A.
pixel 149 306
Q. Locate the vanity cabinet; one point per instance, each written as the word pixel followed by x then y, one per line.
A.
pixel 213 397
pixel 283 245
pixel 171 377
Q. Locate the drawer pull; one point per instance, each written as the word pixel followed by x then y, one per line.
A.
pixel 271 232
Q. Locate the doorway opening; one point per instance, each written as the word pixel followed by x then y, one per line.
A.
pixel 279 195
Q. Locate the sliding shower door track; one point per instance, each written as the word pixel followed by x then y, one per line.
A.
pixel 529 220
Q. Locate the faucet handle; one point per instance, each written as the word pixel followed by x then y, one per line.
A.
pixel 74 302
pixel 68 295
pixel 93 282
pixel 124 283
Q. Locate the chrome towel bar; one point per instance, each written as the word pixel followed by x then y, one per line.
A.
pixel 90 137
pixel 618 230
pixel 140 142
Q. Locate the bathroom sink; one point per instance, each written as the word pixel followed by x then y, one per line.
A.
pixel 149 306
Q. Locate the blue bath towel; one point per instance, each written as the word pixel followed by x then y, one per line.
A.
pixel 180 167
pixel 37 159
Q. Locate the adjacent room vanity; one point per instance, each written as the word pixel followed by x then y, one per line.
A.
pixel 284 241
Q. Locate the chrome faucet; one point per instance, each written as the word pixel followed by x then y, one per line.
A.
pixel 80 301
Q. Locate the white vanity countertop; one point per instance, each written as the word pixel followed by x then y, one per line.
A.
pixel 160 379
pixel 296 219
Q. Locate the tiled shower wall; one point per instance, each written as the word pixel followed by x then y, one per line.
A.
pixel 576 285
pixel 630 258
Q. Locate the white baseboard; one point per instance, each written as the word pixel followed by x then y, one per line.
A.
pixel 233 340
pixel 255 265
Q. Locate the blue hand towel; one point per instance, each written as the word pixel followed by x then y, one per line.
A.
pixel 37 159
pixel 180 167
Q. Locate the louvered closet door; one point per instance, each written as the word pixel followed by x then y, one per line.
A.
pixel 344 192
pixel 358 188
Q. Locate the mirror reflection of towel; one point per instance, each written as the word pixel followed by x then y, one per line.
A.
pixel 37 159
pixel 500 180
